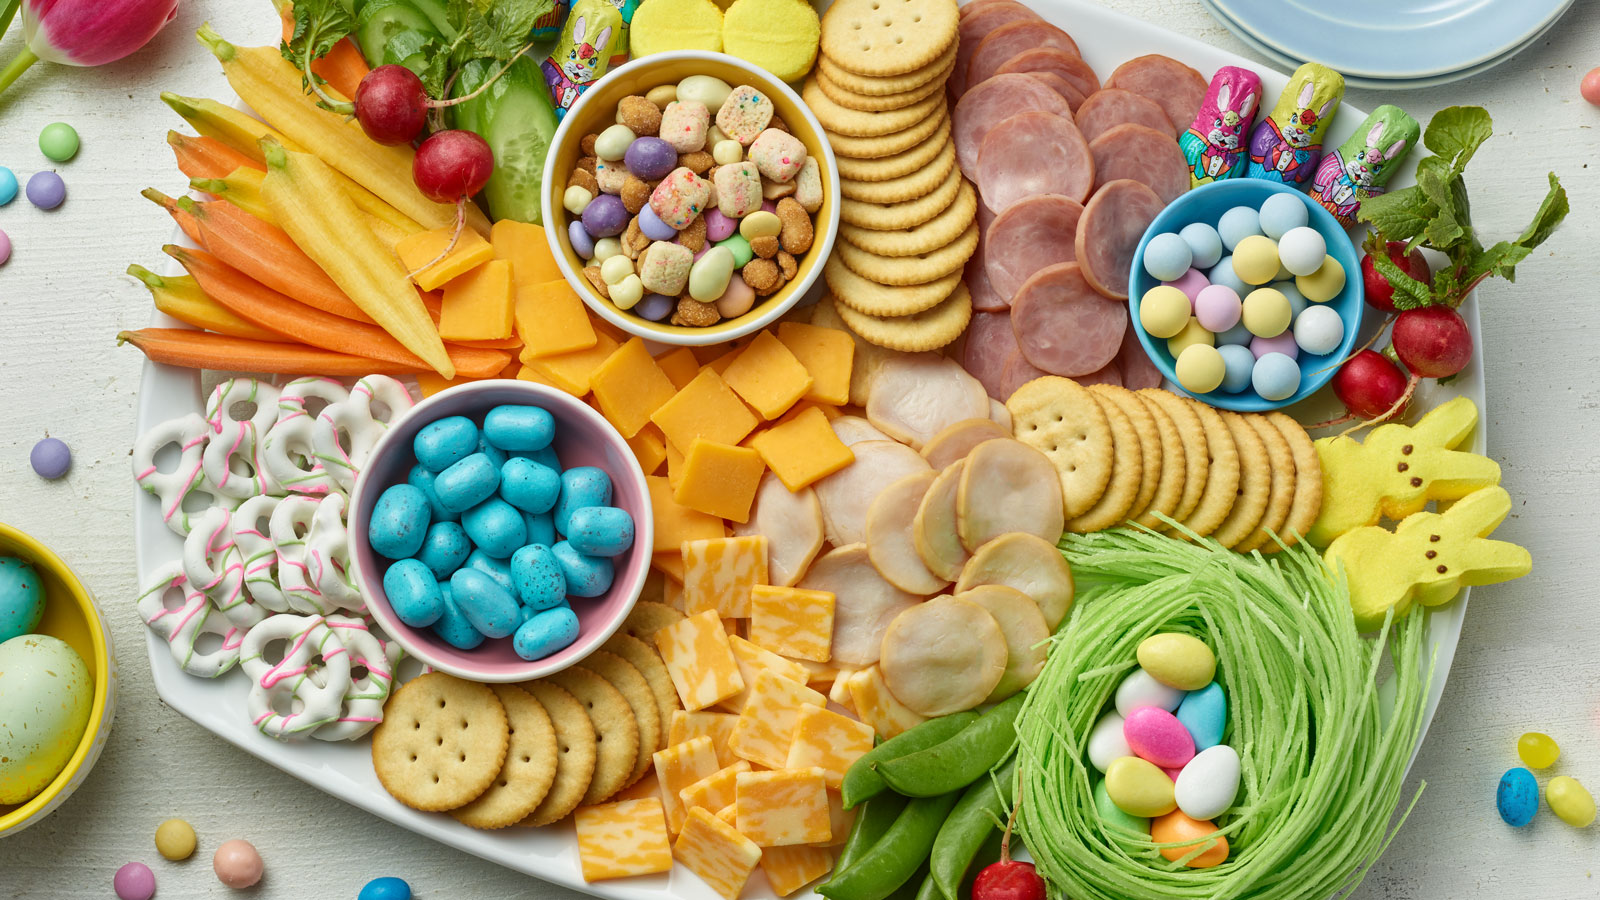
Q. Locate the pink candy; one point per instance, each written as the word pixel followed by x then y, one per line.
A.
pixel 1217 307
pixel 1283 343
pixel 1157 736
pixel 1190 283
pixel 718 226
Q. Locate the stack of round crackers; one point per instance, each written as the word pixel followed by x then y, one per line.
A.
pixel 908 220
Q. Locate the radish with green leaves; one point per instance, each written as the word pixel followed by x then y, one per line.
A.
pixel 1377 289
pixel 1432 341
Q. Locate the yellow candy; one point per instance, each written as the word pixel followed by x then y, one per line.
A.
pixel 1138 788
pixel 778 35
pixel 1322 285
pixel 1200 369
pixel 175 839
pixel 1570 800
pixel 1193 333
pixel 1255 260
pixel 663 25
pixel 1267 312
pixel 1538 751
pixel 1181 661
pixel 1164 311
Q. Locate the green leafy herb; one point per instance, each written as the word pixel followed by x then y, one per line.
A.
pixel 318 25
pixel 485 29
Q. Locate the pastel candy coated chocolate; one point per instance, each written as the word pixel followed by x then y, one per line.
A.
pixel 1177 828
pixel 1286 146
pixel 1204 714
pixel 1112 816
pixel 422 479
pixel 778 154
pixel 496 527
pixel 581 486
pixel 651 157
pixel 498 569
pixel 1139 788
pixel 600 530
pixel 586 576
pixel 1208 783
pixel 413 593
pixel 1182 661
pixel 529 486
pixel 399 521
pixel 134 881
pixel 1139 690
pixel 1106 743
pixel 445 549
pixel 541 528
pixel 237 864
pixel 654 228
pixel 1361 167
pixel 738 189
pixel 386 888
pixel 1214 143
pixel 519 428
pixel 684 124
pixel 486 605
pixel 1517 797
pixel 745 114
pixel 1157 736
pixel 453 627
pixel 538 578
pixel 444 442
pixel 545 633
pixel 21 598
pixel 467 483
pixel 719 226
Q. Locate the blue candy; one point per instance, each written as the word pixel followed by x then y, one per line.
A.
pixel 1282 213
pixel 545 456
pixel 1517 797
pixel 582 243
pixel 513 427
pixel 496 456
pixel 600 530
pixel 1223 273
pixel 467 483
pixel 1167 257
pixel 498 569
pixel 453 627
pixel 491 610
pixel 413 593
pixel 586 576
pixel 581 486
pixel 1297 300
pixel 447 441
pixel 8 186
pixel 1238 363
pixel 387 888
pixel 1275 376
pixel 1237 224
pixel 529 486
pixel 21 598
pixel 399 521
pixel 1205 245
pixel 541 528
pixel 1238 335
pixel 422 479
pixel 1205 714
pixel 546 632
pixel 444 549
pixel 496 527
pixel 538 577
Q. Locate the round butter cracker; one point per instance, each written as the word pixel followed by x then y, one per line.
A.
pixel 1061 419
pixel 1144 425
pixel 874 299
pixel 1307 503
pixel 616 731
pixel 937 232
pixel 887 144
pixel 887 167
pixel 916 269
pixel 862 123
pixel 1127 474
pixel 881 102
pixel 1222 475
pixel 1171 462
pixel 878 86
pixel 529 769
pixel 1280 498
pixel 905 214
pixel 441 743
pixel 926 330
pixel 575 753
pixel 630 683
pixel 1255 482
pixel 887 37
pixel 910 186
pixel 1196 455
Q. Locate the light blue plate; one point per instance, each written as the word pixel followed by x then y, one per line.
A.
pixel 1206 204
pixel 1393 39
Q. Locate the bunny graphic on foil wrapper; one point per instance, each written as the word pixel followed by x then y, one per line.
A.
pixel 578 61
pixel 1362 166
pixel 1213 144
pixel 1287 145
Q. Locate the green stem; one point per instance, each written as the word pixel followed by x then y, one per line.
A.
pixel 25 58
pixel 7 14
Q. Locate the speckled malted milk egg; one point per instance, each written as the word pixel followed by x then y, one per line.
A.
pixel 45 695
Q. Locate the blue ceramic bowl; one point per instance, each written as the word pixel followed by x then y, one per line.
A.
pixel 1206 204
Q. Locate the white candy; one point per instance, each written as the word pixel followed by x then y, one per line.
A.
pixel 363 702
pixel 575 198
pixel 182 620
pixel 1139 690
pixel 613 270
pixel 627 293
pixel 612 144
pixel 1106 743
pixel 313 693
pixel 1318 330
pixel 291 521
pixel 1302 250
pixel 1208 783
pixel 214 566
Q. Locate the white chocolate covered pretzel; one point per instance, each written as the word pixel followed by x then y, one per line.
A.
pixel 327 547
pixel 189 433
pixel 252 533
pixel 363 703
pixel 288 451
pixel 285 700
pixel 180 615
pixel 232 460
pixel 289 526
pixel 215 567
pixel 355 420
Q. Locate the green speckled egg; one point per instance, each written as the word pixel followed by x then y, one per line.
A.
pixel 45 695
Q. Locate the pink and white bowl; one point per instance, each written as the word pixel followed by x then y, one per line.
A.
pixel 583 438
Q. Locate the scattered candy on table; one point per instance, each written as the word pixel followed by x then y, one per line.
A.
pixel 1570 801
pixel 58 141
pixel 46 190
pixel 1517 797
pixel 385 888
pixel 237 864
pixel 175 839
pixel 1589 87
pixel 134 881
pixel 1537 750
pixel 51 457
pixel 5 247
pixel 8 185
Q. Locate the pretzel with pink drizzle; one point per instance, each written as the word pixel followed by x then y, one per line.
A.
pixel 189 433
pixel 288 528
pixel 354 417
pixel 214 565
pixel 181 620
pixel 252 534
pixel 235 445
pixel 306 688
pixel 289 451
pixel 327 557
pixel 363 703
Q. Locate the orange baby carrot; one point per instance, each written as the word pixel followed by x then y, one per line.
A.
pixel 206 157
pixel 205 350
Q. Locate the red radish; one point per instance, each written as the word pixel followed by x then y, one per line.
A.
pixel 392 105
pixel 1008 879
pixel 1379 292
pixel 452 165
pixel 1371 386
pixel 1432 341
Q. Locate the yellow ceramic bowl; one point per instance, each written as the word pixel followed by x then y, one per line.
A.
pixel 596 110
pixel 71 615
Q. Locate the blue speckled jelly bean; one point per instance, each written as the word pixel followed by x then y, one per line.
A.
pixel 453 627
pixel 586 576
pixel 538 578
pixel 541 528
pixel 1517 797
pixel 1205 714
pixel 578 236
pixel 449 440
pixel 495 454
pixel 444 549
pixel 496 527
pixel 386 888
pixel 498 569
pixel 467 483
pixel 491 610
pixel 422 479
pixel 655 307
pixel 413 593
pixel 545 457
pixel 546 632
pixel 581 486
pixel 529 486
pixel 21 598
pixel 600 530
pixel 399 521
pixel 513 427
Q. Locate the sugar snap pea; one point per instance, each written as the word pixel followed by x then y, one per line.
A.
pixel 861 782
pixel 955 763
pixel 870 825
pixel 895 857
pixel 980 813
pixel 912 889
pixel 929 889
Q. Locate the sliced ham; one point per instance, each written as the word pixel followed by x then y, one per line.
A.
pixel 984 297
pixel 1138 372
pixel 1109 107
pixel 1142 154
pixel 1109 231
pixel 1063 325
pixel 1068 92
pixel 1111 374
pixel 1019 372
pixel 1036 153
pixel 1037 232
pixel 1177 87
pixel 1005 43
pixel 992 102
pixel 977 20
pixel 990 345
pixel 1048 59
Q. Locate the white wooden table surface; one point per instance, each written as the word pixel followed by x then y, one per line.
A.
pixel 1529 657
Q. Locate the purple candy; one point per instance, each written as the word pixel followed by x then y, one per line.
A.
pixel 1191 283
pixel 46 190
pixel 653 227
pixel 650 158
pixel 134 881
pixel 655 307
pixel 605 216
pixel 770 206
pixel 5 248
pixel 718 226
pixel 50 458
pixel 582 244
pixel 1283 343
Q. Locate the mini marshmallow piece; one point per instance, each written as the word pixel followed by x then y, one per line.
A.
pixel 745 114
pixel 681 196
pixel 611 175
pixel 664 268
pixel 738 189
pixel 778 154
pixel 683 125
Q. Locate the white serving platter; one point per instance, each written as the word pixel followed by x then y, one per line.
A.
pixel 345 771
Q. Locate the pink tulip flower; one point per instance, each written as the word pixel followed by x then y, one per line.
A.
pixel 82 32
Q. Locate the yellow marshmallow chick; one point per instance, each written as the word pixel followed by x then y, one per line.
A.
pixel 1428 558
pixel 1398 470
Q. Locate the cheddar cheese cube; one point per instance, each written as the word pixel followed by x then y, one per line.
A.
pixel 840 818
pixel 705 407
pixel 695 650
pixel 432 383
pixel 526 373
pixel 675 460
pixel 629 387
pixel 767 376
pixel 788 869
pixel 649 447
pixel 668 564
pixel 679 766
pixel 721 363
pixel 715 851
pixel 752 661
pixel 672 593
pixel 766 724
pixel 719 479
pixel 648 785
pixel 839 692
pixel 418 251
pixel 478 304
pixel 871 700
pixel 571 372
pixel 680 365
pixel 551 320
pixel 792 621
pixel 527 248
pixel 719 573
pixel 821 675
pixel 729 814
pixel 618 840
pixel 827 354
pixel 714 791
pixel 783 808
pixel 675 524
pixel 828 741
pixel 803 450
pixel 716 725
